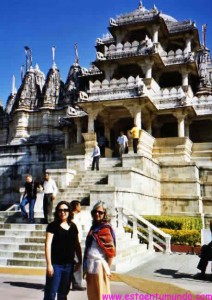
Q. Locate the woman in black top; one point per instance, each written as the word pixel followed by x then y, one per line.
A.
pixel 61 245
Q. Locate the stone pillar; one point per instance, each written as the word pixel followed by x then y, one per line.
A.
pixel 90 123
pixel 148 71
pixel 149 126
pixel 79 131
pixel 155 34
pixel 187 128
pixel 184 78
pixel 188 45
pixel 137 119
pixel 109 71
pixel 181 123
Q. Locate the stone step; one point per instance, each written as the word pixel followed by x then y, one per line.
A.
pixel 39 227
pixel 22 233
pixel 22 254
pixel 23 263
pixel 32 247
pixel 8 246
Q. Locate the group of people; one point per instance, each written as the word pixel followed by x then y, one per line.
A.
pixel 123 146
pixel 123 140
pixel 31 188
pixel 64 255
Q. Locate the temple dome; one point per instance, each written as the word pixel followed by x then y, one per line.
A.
pixel 167 18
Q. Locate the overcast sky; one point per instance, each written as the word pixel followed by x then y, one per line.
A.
pixel 41 24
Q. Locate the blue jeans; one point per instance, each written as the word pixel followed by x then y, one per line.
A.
pixel 59 283
pixel 31 203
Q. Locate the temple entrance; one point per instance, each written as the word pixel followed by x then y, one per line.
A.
pixel 108 125
pixel 124 124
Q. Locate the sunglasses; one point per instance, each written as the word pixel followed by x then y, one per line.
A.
pixel 98 212
pixel 63 210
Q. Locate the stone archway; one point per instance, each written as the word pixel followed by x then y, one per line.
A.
pixel 108 124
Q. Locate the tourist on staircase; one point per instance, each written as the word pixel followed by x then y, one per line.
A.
pixel 96 156
pixel 50 191
pixel 29 197
pixel 61 245
pixel 77 275
pixel 123 143
pixel 99 252
pixel 135 135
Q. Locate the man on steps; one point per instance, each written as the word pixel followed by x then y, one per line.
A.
pixel 77 275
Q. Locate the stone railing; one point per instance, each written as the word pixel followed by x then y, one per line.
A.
pixel 122 88
pixel 177 57
pixel 202 105
pixel 128 49
pixel 123 82
pixel 169 97
pixel 143 229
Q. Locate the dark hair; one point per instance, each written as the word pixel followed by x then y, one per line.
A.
pixel 106 218
pixel 74 204
pixel 56 214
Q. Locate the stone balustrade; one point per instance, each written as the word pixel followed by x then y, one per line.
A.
pixel 203 104
pixel 167 93
pixel 176 57
pixel 127 49
pixel 125 83
pixel 124 88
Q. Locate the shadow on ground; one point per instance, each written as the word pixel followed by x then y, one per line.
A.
pixel 175 274
pixel 27 285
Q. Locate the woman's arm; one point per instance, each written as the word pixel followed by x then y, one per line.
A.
pixel 78 254
pixel 48 244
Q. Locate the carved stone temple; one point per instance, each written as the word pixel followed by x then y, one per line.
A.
pixel 151 70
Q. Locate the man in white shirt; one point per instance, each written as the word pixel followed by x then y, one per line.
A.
pixel 123 143
pixel 77 275
pixel 96 156
pixel 50 191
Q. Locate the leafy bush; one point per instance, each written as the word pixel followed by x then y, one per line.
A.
pixel 183 230
pixel 176 222
pixel 184 237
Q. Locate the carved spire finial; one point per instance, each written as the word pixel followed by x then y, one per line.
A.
pixel 13 85
pixel 28 53
pixel 76 54
pixel 53 57
pixel 204 28
pixel 22 72
pixel 140 4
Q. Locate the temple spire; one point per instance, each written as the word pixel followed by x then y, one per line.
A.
pixel 204 28
pixel 76 54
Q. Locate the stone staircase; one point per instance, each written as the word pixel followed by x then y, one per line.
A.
pixel 79 188
pixel 22 245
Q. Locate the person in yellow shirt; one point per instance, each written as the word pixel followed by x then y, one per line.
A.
pixel 135 134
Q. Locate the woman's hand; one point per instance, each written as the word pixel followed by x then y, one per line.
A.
pixel 49 271
pixel 109 276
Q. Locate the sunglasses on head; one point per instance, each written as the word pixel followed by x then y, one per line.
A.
pixel 98 212
pixel 63 210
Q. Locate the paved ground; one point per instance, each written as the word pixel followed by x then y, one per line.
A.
pixel 176 269
pixel 165 274
pixel 19 287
